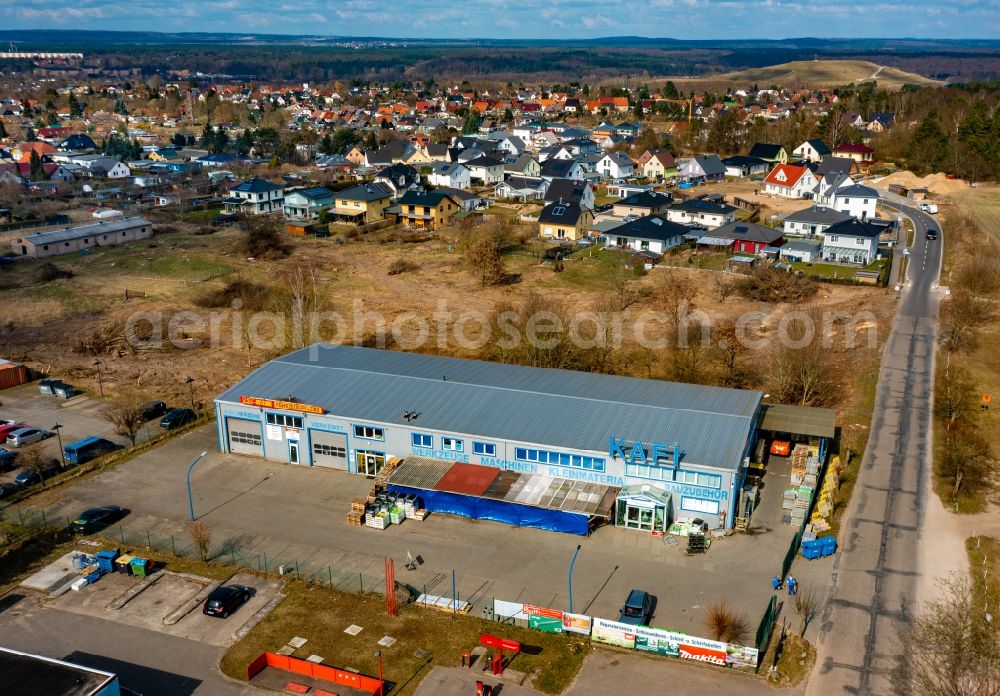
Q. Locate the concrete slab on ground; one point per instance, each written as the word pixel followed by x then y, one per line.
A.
pixel 275 680
pixel 54 575
pixel 453 681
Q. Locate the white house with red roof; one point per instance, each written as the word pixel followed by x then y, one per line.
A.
pixel 790 181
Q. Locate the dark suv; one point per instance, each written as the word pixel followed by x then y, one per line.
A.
pixel 225 600
pixel 638 609
pixel 176 417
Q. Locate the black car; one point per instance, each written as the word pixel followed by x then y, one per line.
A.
pixel 154 409
pixel 638 609
pixel 932 234
pixel 8 489
pixel 34 476
pixel 176 417
pixel 7 459
pixel 225 600
pixel 96 518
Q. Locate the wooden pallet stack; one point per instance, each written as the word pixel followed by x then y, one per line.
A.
pixel 356 517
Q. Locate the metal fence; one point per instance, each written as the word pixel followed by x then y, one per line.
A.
pixel 766 625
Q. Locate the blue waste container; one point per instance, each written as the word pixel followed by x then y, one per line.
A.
pixel 106 560
pixel 829 545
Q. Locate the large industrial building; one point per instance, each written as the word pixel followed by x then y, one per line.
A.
pixel 641 452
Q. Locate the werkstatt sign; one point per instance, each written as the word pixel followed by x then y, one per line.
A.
pixel 281 405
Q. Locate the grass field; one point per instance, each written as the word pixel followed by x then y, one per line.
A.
pixel 321 615
pixel 814 73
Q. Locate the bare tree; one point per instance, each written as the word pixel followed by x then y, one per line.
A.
pixel 201 534
pixel 725 623
pixel 724 287
pixel 955 398
pixel 730 350
pixel 966 460
pixel 807 605
pixel 125 413
pixel 675 296
pixel 952 649
pixel 485 260
pixel 33 458
pixel 622 279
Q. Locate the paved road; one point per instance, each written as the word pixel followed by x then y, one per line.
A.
pixel 150 662
pixel 875 579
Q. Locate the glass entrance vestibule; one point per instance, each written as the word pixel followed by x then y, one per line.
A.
pixel 644 508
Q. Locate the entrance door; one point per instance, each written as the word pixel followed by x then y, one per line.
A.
pixel 640 518
pixel 293 452
pixel 369 463
pixel 244 436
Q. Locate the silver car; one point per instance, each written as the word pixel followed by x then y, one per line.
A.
pixel 25 436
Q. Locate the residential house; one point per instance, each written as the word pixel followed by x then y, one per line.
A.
pixel 769 152
pixel 880 121
pixel 553 152
pixel 616 165
pixel 508 144
pixel 659 165
pixel 703 168
pixel 827 186
pixel 398 177
pixel 470 202
pixel 426 210
pixel 644 203
pixel 75 239
pixel 564 220
pixel 525 165
pixel 790 181
pixel 393 152
pixel 485 170
pixel 305 205
pixel 802 250
pixel 745 166
pixel 438 152
pixel 653 233
pixel 356 155
pixel 521 188
pixel 852 242
pixel 362 204
pixel 561 169
pixel 78 142
pixel 744 237
pixel 255 197
pixel 836 165
pixel 700 212
pixel 581 146
pixel 862 154
pixel 857 200
pixel 570 190
pixel 109 168
pixel 811 151
pixel 813 221
pixel 417 157
pixel 450 174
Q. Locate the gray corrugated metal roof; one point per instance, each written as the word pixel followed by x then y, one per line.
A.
pixel 70 233
pixel 563 408
pixel 799 420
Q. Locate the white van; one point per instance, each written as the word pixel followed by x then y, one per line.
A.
pixel 929 208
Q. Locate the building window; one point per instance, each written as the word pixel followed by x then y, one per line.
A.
pixel 421 440
pixel 329 450
pixel 696 478
pixel 452 444
pixel 252 439
pixel 575 461
pixel 282 419
pixel 710 507
pixel 369 432
pixel 486 449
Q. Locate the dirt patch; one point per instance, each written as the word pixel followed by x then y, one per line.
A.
pixel 935 183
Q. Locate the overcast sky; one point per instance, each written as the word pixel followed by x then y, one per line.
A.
pixel 542 19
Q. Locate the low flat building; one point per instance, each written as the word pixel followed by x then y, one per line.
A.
pixel 650 233
pixel 74 239
pixel 24 674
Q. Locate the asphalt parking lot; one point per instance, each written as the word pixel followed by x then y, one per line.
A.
pixel 150 608
pixel 292 514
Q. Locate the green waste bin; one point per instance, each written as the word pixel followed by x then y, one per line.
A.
pixel 140 567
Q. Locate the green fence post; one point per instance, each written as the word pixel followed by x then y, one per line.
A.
pixel 329 574
pixel 149 541
pixel 173 546
pixel 44 522
pixel 121 530
pixel 232 553
pixel 20 516
pixel 361 582
pixel 298 576
pixel 265 561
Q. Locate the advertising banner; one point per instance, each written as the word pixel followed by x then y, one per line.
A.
pixel 657 641
pixel 741 657
pixel 576 623
pixel 509 610
pixel 702 649
pixel 614 633
pixel 532 610
pixel 545 623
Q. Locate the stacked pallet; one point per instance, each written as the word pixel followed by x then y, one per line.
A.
pixel 355 519
pixel 382 480
pixel 803 496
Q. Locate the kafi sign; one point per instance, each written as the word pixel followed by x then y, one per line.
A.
pixel 278 405
pixel 653 454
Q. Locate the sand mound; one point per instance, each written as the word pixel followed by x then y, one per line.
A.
pixel 936 183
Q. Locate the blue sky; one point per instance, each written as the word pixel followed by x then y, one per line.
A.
pixel 705 19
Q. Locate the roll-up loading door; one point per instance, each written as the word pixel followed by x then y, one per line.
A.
pixel 328 449
pixel 244 436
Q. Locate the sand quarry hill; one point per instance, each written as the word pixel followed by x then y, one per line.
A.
pixel 814 73
pixel 935 183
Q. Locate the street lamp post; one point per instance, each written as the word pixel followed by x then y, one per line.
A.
pixel 570 577
pixel 100 380
pixel 190 497
pixel 381 681
pixel 62 455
